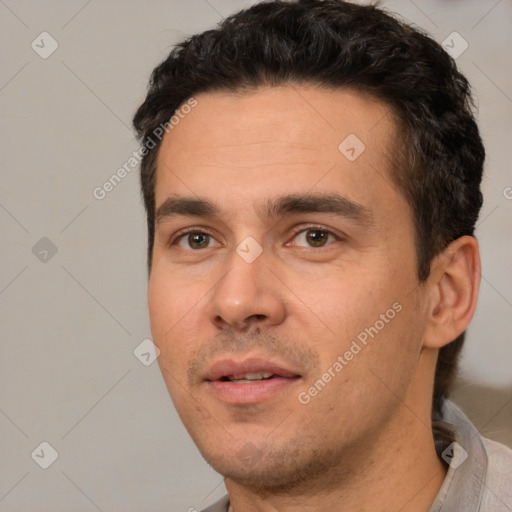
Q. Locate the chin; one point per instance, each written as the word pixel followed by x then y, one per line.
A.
pixel 268 468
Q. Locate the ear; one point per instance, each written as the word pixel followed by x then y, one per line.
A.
pixel 453 287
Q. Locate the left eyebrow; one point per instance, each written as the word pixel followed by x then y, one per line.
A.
pixel 336 204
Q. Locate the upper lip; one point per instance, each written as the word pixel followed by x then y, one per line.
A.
pixel 231 367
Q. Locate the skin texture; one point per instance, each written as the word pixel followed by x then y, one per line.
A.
pixel 364 441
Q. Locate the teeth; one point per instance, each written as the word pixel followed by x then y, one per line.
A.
pixel 250 377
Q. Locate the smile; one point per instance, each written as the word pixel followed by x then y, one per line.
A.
pixel 249 381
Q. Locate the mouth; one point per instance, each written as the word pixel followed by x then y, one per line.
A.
pixel 248 377
pixel 249 381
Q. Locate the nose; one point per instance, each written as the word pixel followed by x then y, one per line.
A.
pixel 246 297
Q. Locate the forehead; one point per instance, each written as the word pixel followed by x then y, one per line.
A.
pixel 292 138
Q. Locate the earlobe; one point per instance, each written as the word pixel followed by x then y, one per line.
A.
pixel 453 291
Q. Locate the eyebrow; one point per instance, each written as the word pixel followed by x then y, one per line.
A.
pixel 188 206
pixel 292 204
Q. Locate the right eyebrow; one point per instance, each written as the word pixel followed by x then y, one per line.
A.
pixel 174 206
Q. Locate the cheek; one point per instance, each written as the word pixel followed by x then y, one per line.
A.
pixel 170 307
pixel 345 303
pixel 161 307
pixel 372 324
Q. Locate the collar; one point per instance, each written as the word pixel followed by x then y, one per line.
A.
pixel 463 485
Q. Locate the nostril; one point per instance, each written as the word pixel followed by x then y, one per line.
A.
pixel 254 322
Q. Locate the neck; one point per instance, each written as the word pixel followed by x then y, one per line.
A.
pixel 398 470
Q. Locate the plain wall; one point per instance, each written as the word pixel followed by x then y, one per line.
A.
pixel 70 321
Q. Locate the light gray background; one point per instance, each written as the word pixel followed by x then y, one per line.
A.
pixel 70 325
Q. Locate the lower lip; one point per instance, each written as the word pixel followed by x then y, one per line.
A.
pixel 250 392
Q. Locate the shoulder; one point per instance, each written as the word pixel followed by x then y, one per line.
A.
pixel 497 495
pixel 499 457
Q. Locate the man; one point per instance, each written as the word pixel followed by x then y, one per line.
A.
pixel 311 177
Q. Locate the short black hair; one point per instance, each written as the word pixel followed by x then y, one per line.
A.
pixel 439 155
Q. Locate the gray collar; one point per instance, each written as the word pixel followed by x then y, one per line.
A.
pixel 463 486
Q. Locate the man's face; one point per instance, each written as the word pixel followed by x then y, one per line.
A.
pixel 260 284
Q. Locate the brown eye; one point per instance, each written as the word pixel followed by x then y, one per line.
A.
pixel 195 240
pixel 314 238
pixel 317 238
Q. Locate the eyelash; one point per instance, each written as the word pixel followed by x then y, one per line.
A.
pixel 174 241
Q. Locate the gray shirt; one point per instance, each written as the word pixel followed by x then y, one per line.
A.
pixel 479 476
